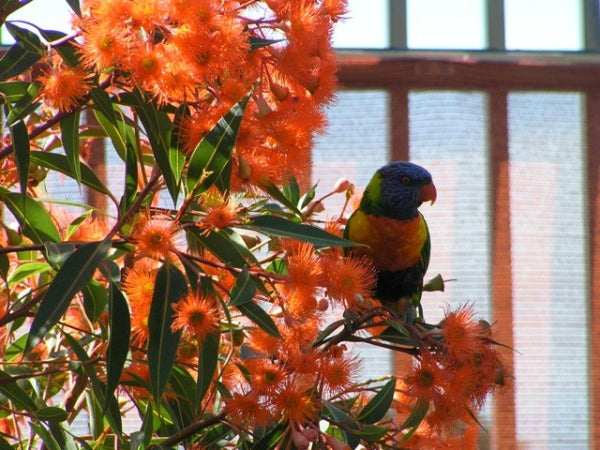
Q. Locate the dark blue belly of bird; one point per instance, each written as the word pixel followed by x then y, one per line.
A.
pixel 401 291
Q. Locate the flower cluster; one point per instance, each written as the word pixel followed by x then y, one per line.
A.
pixel 453 375
pixel 226 316
pixel 208 54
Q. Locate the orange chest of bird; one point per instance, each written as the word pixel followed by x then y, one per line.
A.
pixel 391 244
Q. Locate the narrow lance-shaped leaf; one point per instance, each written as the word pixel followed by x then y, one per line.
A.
pixel 69 132
pixel 11 91
pixel 25 38
pixel 260 317
pixel 20 140
pixel 16 393
pixel 16 61
pixel 207 364
pixel 244 289
pixel 223 245
pixel 73 276
pixel 25 105
pixel 58 162
pixel 158 129
pixel 112 414
pixel 170 286
pixel 66 50
pixel 34 220
pixel 379 405
pixel 131 177
pixel 212 154
pixel 415 418
pixel 281 227
pixel 118 343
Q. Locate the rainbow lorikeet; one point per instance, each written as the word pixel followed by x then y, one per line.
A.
pixel 394 233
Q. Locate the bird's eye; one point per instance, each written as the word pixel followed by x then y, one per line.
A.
pixel 405 180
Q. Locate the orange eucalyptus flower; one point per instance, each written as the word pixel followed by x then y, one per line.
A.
pixel 196 316
pixel 304 270
pixel 63 87
pixel 461 333
pixel 138 285
pixel 221 210
pixel 247 408
pixel 348 278
pixel 157 237
pixel 294 401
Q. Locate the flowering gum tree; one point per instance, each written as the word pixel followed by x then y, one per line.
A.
pixel 207 305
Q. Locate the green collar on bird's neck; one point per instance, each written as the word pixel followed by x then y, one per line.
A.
pixel 371 199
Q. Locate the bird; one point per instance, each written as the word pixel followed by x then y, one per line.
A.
pixel 394 235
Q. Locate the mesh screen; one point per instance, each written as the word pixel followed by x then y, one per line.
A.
pixel 449 135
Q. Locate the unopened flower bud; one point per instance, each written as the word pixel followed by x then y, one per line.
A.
pixel 300 441
pixel 263 107
pixel 244 169
pixel 336 444
pixel 313 207
pixel 342 185
pixel 279 91
pixel 323 304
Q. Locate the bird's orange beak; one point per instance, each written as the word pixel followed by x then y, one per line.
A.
pixel 428 193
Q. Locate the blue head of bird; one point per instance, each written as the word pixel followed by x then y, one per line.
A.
pixel 398 189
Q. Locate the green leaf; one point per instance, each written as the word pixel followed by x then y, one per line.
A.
pixel 207 364
pixel 281 227
pixel 66 50
pixel 418 413
pixel 11 91
pixel 371 433
pixel 69 133
pixel 131 177
pixel 58 162
pixel 48 439
pixel 112 414
pixel 26 270
pixel 26 38
pixel 95 299
pixel 278 195
pixel 158 129
pixel 15 349
pixel 224 244
pixel 16 61
pixel 260 317
pixel 74 4
pixel 4 265
pixel 170 286
pixel 177 158
pixel 213 152
pixel 183 386
pixel 435 284
pixel 52 413
pixel 256 42
pixel 16 393
pixel 25 105
pixel 57 252
pixel 33 218
pixel 271 438
pixel 103 105
pixel 118 341
pixel 73 276
pixel 397 334
pixel 20 140
pixel 346 424
pixel 292 191
pixel 244 289
pixel 379 405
